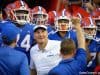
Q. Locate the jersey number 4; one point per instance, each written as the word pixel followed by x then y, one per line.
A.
pixel 25 43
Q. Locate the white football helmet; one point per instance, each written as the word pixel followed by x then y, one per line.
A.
pixel 63 21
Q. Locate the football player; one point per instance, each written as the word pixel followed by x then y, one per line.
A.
pixel 89 28
pixel 39 16
pixel 19 13
pixel 63 27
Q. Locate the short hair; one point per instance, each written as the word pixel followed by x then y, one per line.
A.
pixel 67 47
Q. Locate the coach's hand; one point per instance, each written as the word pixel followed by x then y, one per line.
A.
pixel 76 22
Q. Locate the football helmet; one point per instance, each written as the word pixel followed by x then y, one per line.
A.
pixel 89 27
pixel 51 17
pixel 39 16
pixel 18 12
pixel 63 21
pixel 96 17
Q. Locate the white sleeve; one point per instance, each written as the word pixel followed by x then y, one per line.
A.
pixel 32 65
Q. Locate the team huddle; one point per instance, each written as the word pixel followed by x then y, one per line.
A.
pixel 58 42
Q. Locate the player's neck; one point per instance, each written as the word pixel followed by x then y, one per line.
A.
pixel 87 42
pixel 67 56
pixel 62 34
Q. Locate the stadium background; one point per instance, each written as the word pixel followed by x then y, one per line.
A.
pixel 47 4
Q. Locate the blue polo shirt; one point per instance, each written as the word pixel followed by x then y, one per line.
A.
pixel 73 66
pixel 13 62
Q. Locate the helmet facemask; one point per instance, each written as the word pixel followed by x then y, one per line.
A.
pixel 89 27
pixel 18 12
pixel 21 16
pixel 40 19
pixel 62 24
pixel 39 16
pixel 90 32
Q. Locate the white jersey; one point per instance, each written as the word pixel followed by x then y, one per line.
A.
pixel 44 60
